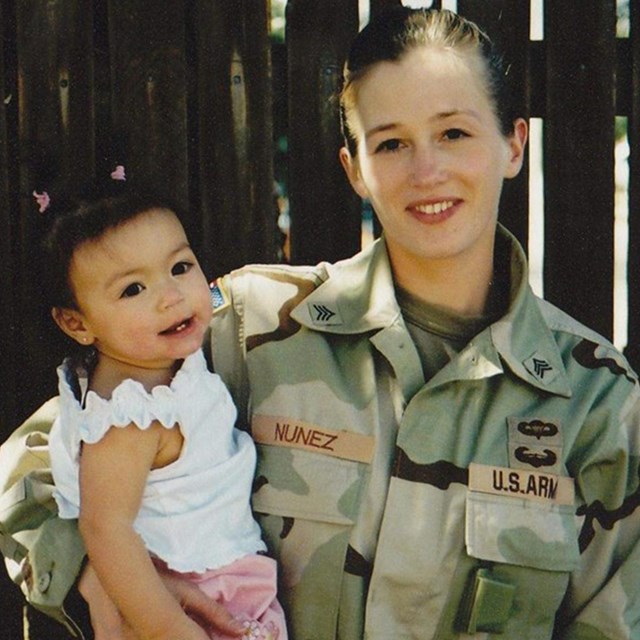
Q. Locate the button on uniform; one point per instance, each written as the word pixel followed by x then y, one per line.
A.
pixel 43 582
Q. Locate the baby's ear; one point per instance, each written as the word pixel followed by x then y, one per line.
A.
pixel 72 322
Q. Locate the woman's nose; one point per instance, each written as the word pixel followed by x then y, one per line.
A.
pixel 427 166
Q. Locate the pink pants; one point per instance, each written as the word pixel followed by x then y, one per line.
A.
pixel 247 588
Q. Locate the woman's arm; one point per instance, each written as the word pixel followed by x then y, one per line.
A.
pixel 43 553
pixel 113 474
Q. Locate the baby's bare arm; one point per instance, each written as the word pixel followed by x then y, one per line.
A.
pixel 113 474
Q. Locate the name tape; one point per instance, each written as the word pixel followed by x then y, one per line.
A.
pixel 521 483
pixel 286 432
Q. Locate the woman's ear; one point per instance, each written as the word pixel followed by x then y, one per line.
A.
pixel 517 144
pixel 73 324
pixel 352 169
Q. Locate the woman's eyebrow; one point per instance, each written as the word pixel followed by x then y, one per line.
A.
pixel 381 128
pixel 442 115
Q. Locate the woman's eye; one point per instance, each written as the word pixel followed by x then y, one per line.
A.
pixel 180 268
pixel 455 134
pixel 132 290
pixel 389 145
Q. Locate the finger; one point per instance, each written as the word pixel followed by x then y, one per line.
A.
pixel 106 621
pixel 209 612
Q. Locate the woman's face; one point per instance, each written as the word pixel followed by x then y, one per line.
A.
pixel 431 157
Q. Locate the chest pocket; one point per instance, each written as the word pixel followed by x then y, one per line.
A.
pixel 521 532
pixel 529 549
pixel 306 504
pixel 301 484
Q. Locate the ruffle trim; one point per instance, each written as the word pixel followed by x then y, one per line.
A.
pixel 130 402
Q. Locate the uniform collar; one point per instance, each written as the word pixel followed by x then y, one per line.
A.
pixel 522 337
pixel 358 297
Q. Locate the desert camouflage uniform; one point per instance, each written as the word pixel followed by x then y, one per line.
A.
pixel 496 500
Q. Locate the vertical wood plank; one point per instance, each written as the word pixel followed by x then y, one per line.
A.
pixel 633 264
pixel 378 6
pixel 149 99
pixel 579 160
pixel 10 597
pixel 507 24
pixel 325 212
pixel 259 184
pixel 55 139
pixel 8 337
pixel 233 140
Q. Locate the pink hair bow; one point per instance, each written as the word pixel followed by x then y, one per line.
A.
pixel 118 173
pixel 43 200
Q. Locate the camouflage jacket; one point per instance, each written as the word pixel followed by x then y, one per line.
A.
pixel 497 499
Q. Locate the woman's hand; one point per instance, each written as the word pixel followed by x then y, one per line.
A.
pixel 106 621
pixel 207 612
pixel 108 624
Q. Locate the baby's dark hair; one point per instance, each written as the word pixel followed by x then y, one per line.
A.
pixel 84 216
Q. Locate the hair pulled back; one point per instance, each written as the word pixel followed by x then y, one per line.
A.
pixel 398 30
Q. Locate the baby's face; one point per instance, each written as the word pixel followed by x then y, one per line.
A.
pixel 141 294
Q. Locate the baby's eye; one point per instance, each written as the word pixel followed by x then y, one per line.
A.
pixel 391 145
pixel 455 134
pixel 180 268
pixel 132 290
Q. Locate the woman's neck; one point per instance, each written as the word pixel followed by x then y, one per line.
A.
pixel 460 286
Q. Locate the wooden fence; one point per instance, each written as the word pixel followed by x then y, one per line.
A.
pixel 194 92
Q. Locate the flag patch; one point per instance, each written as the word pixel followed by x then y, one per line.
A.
pixel 219 297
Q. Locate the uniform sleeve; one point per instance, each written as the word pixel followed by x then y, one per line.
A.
pixel 43 553
pixel 225 344
pixel 603 601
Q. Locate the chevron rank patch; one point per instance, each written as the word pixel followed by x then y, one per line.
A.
pixel 324 314
pixel 539 367
pixel 219 297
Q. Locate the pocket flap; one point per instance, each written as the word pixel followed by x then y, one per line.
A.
pixel 300 484
pixel 521 532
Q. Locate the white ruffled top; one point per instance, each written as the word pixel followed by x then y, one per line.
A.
pixel 195 513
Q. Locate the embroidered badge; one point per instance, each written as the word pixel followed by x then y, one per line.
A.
pixel 519 483
pixel 324 314
pixel 288 432
pixel 219 297
pixel 540 368
pixel 535 443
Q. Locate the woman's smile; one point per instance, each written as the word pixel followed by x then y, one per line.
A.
pixel 431 157
pixel 434 211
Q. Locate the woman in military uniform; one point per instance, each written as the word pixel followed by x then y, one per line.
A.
pixel 442 454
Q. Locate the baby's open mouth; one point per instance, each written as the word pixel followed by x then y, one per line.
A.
pixel 179 327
